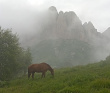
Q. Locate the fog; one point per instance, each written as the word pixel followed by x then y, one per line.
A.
pixel 22 15
pixel 28 18
pixel 17 16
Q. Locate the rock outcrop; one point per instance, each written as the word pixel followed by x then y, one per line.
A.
pixel 106 33
pixel 67 25
pixel 64 39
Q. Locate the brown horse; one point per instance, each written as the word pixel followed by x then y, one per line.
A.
pixel 40 68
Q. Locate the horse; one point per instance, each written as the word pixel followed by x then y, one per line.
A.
pixel 39 68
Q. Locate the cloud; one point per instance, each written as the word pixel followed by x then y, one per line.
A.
pixel 16 14
pixel 21 15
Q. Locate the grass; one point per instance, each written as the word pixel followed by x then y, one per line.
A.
pixel 92 78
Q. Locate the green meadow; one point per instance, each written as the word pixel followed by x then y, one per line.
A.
pixel 91 78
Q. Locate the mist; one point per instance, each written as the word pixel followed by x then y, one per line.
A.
pixel 33 23
pixel 21 14
pixel 20 17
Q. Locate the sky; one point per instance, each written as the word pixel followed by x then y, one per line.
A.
pixel 21 15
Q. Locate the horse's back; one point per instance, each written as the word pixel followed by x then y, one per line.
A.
pixel 32 67
pixel 38 67
pixel 44 65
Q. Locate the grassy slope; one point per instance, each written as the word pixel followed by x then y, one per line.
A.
pixel 93 78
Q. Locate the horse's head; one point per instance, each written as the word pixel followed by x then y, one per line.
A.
pixel 52 72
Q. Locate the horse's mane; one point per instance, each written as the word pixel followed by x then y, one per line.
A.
pixel 47 65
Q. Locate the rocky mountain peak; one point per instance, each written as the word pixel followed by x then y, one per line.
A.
pixel 89 27
pixel 106 33
pixel 108 30
pixel 53 9
pixel 67 25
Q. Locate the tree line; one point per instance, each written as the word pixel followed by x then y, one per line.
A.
pixel 14 59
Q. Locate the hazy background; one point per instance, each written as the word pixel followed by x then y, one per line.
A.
pixel 22 15
pixel 28 17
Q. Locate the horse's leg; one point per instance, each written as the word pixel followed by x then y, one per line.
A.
pixel 29 75
pixel 32 74
pixel 43 75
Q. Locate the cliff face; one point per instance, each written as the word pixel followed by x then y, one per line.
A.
pixel 64 39
pixel 67 26
pixel 106 33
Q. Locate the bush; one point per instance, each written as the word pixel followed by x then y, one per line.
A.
pixel 13 58
pixel 3 83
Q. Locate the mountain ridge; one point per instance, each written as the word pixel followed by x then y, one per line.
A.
pixel 67 25
pixel 63 39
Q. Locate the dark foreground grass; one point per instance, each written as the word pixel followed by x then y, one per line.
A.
pixel 93 78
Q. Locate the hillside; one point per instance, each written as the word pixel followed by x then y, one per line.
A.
pixel 92 78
